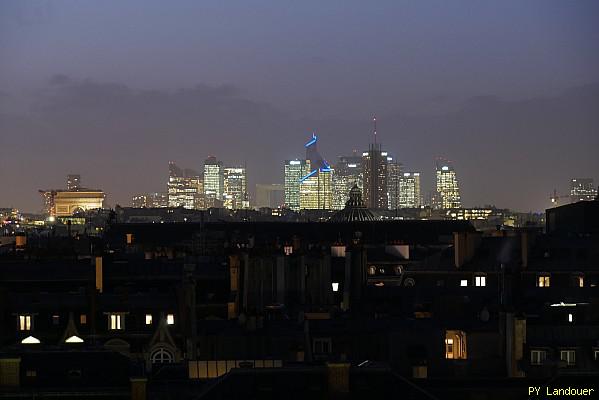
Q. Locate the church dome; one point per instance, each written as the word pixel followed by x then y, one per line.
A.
pixel 355 210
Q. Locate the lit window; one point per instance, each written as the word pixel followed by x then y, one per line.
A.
pixel 371 270
pixel 596 355
pixel 455 345
pixel 569 356
pixel 464 282
pixel 580 281
pixel 570 318
pixel 288 250
pixel 31 373
pixel 543 281
pixel 129 238
pixel 24 322
pixel 55 319
pixel 116 322
pixel 335 286
pixel 83 319
pixel 538 357
pixel 170 319
pixel 480 281
pixel 148 319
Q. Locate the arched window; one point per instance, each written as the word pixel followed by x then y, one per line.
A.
pixel 162 356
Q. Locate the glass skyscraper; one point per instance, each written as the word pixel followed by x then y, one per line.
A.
pixel 409 190
pixel 582 189
pixel 184 188
pixel 348 172
pixel 448 191
pixel 235 188
pixel 214 182
pixel 294 171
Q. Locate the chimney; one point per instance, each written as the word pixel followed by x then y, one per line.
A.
pixel 99 275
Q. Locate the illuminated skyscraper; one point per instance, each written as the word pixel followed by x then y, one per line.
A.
pixel 409 190
pixel 316 186
pixel 582 189
pixel 235 188
pixel 73 182
pixel 348 172
pixel 184 188
pixel 393 183
pixel 448 191
pixel 374 163
pixel 294 171
pixel 214 182
pixel 150 200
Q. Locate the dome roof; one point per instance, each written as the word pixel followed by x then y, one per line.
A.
pixel 354 210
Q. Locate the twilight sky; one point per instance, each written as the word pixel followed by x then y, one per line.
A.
pixel 113 90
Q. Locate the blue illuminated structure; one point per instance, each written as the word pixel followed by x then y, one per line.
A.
pixel 317 163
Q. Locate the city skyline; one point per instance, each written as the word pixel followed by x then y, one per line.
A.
pixel 468 89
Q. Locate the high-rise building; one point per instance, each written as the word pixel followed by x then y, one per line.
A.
pixel 294 171
pixel 393 183
pixel 348 172
pixel 582 189
pixel 150 200
pixel 184 188
pixel 409 190
pixel 235 188
pixel 214 182
pixel 448 191
pixel 316 186
pixel 374 164
pixel 270 195
pixel 73 182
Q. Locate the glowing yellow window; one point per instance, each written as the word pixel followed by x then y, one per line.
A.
pixel 455 345
pixel 170 319
pixel 24 322
pixel 543 281
pixel 148 319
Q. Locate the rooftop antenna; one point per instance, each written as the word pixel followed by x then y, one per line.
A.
pixel 374 122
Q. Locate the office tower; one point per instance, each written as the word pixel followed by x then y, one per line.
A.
pixel 348 172
pixel 374 164
pixel 150 200
pixel 235 188
pixel 214 182
pixel 448 191
pixel 294 171
pixel 316 186
pixel 393 183
pixel 409 190
pixel 184 188
pixel 582 189
pixel 62 203
pixel 73 182
pixel 270 195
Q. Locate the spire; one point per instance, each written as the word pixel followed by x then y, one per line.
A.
pixel 374 122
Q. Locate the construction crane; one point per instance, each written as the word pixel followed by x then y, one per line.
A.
pixel 555 198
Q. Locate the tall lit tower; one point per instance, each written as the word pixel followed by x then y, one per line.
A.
pixel 374 163
pixel 393 182
pixel 316 189
pixel 235 188
pixel 294 171
pixel 409 190
pixel 214 182
pixel 348 172
pixel 73 182
pixel 448 191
